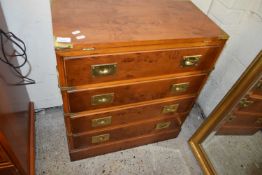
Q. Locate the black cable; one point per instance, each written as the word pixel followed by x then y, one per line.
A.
pixel 17 42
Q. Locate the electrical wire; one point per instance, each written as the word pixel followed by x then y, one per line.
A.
pixel 20 53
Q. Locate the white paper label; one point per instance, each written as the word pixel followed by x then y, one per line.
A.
pixel 63 39
pixel 76 32
pixel 80 37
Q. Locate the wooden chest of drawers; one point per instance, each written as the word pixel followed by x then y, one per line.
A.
pixel 130 72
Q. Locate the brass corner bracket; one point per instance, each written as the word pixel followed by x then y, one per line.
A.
pixel 223 36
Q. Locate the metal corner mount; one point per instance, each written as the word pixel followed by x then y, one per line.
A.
pixel 223 36
pixel 66 88
pixel 69 114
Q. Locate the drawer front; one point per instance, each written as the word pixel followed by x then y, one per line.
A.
pixel 132 93
pixel 244 119
pixel 124 132
pixel 250 104
pixel 104 68
pixel 117 116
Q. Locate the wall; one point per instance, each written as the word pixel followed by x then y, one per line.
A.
pixel 242 20
pixel 31 21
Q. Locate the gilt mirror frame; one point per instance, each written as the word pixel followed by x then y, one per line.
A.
pixel 245 82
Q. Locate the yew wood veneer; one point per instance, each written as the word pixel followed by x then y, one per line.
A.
pixel 134 74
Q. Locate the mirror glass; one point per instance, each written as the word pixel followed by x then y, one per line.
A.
pixel 235 144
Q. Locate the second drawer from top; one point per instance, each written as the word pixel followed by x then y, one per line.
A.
pixel 116 95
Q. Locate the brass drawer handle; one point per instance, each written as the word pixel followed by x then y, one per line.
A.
pixel 170 109
pixel 100 138
pixel 163 125
pixel 189 61
pixel 101 121
pixel 181 87
pixel 104 69
pixel 244 103
pixel 259 121
pixel 102 99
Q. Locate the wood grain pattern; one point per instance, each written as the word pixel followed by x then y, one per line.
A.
pixel 127 115
pixel 136 65
pixel 137 129
pixel 76 154
pixel 119 21
pixel 142 91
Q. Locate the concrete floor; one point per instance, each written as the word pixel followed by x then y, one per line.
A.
pixel 172 157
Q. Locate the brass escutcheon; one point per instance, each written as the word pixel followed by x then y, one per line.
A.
pixel 163 125
pixel 102 99
pixel 100 138
pixel 181 87
pixel 244 103
pixel 170 109
pixel 104 69
pixel 189 61
pixel 102 121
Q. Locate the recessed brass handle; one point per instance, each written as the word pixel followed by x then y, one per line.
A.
pixel 259 121
pixel 170 109
pixel 244 103
pixel 104 69
pixel 102 121
pixel 181 87
pixel 102 99
pixel 163 125
pixel 100 138
pixel 189 61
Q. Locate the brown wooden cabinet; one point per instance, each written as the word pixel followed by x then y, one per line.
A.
pixel 130 72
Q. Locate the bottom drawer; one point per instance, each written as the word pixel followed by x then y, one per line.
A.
pixel 77 154
pixel 124 132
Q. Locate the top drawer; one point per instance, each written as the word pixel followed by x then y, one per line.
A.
pixel 104 68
